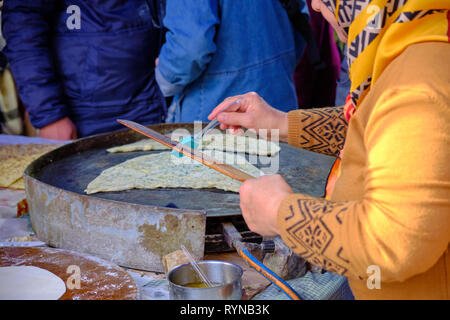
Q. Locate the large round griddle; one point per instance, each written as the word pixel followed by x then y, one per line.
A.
pixel 73 166
pixel 137 228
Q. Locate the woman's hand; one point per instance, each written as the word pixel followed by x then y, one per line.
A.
pixel 252 112
pixel 260 200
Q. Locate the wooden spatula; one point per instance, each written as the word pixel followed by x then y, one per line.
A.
pixel 197 155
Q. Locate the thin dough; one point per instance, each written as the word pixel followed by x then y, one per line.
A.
pixel 243 144
pixel 141 145
pixel 162 170
pixel 221 142
pixel 30 283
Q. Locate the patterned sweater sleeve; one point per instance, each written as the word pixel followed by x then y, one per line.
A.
pixel 401 223
pixel 321 130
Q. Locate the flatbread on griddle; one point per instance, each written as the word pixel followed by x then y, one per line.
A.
pixel 162 170
pixel 221 142
pixel 141 145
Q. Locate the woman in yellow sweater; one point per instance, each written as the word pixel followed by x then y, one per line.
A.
pixel 385 221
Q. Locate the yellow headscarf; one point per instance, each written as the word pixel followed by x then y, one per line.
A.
pixel 379 30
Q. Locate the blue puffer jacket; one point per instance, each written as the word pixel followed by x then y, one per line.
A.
pixel 219 48
pixel 93 70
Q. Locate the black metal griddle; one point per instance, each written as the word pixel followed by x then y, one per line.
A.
pixel 73 166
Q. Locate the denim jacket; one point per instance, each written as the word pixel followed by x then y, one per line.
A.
pixel 219 48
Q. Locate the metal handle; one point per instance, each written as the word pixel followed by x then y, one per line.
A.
pixel 269 274
pixel 196 267
pixel 214 123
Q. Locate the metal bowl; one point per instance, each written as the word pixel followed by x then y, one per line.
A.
pixel 227 277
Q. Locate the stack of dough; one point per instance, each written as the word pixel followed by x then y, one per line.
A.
pixel 14 159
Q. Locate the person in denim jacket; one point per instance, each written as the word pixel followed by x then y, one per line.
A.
pixel 219 48
pixel 81 64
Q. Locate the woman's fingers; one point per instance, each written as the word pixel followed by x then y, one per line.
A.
pixel 235 119
pixel 249 111
pixel 236 107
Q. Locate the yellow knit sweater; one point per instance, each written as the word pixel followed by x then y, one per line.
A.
pixel 387 224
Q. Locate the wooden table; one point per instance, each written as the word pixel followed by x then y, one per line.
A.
pixel 99 279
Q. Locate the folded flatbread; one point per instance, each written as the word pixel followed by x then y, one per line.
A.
pixel 221 142
pixel 163 170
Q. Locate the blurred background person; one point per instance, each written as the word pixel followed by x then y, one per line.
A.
pixel 320 85
pixel 80 65
pixel 11 119
pixel 218 48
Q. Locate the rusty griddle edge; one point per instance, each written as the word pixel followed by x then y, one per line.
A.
pixel 130 235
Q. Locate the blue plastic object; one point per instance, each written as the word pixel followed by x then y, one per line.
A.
pixel 187 141
pixel 192 141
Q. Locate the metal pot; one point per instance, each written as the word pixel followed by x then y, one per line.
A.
pixel 227 277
